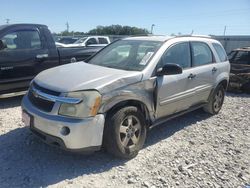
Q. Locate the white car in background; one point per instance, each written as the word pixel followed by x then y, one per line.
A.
pixel 58 44
pixel 90 41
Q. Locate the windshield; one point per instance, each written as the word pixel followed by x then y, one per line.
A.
pixel 81 40
pixel 127 54
pixel 231 54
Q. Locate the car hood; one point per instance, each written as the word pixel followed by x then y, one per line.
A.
pixel 84 76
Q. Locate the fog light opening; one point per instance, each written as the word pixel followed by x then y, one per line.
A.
pixel 65 131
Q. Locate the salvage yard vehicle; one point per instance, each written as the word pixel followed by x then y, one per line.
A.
pixel 90 41
pixel 240 69
pixel 67 40
pixel 26 50
pixel 125 89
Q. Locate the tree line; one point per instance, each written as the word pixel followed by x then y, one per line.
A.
pixel 110 30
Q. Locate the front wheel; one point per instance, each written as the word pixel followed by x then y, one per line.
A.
pixel 215 101
pixel 125 132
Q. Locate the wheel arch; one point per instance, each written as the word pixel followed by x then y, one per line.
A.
pixel 131 102
pixel 224 83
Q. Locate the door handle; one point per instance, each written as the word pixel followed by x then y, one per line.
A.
pixel 191 76
pixel 214 69
pixel 42 56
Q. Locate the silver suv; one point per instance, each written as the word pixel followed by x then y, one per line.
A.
pixel 127 87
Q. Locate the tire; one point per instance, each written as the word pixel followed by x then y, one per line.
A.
pixel 125 132
pixel 246 88
pixel 215 101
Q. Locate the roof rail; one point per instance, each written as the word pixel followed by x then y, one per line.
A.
pixel 201 36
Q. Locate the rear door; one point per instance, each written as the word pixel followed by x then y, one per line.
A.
pixel 205 71
pixel 23 58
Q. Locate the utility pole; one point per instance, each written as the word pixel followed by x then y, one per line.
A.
pixel 7 20
pixel 152 28
pixel 225 28
pixel 67 25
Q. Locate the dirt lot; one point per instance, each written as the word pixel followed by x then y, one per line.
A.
pixel 195 150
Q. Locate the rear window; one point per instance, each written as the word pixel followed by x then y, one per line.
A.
pixel 220 51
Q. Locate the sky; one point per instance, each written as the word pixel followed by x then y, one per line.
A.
pixel 169 17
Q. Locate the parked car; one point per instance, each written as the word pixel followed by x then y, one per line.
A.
pixel 91 41
pixel 67 40
pixel 240 69
pixel 26 50
pixel 126 88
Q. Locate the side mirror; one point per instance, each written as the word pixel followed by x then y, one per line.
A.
pixel 169 69
pixel 2 45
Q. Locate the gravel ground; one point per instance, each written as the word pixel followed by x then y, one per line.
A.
pixel 195 150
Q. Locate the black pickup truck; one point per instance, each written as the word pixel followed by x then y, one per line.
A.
pixel 26 50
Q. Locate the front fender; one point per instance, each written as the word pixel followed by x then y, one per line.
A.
pixel 141 92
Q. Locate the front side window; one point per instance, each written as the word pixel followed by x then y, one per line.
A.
pixel 201 54
pixel 220 51
pixel 81 40
pixel 178 54
pixel 126 54
pixel 91 41
pixel 22 40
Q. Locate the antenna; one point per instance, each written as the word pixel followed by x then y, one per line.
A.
pixel 225 28
pixel 67 25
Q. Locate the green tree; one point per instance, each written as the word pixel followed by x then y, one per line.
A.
pixel 118 30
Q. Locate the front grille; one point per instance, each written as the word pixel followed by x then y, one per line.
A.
pixel 40 103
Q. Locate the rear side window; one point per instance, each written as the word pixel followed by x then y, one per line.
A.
pixel 220 51
pixel 201 54
pixel 103 40
pixel 22 40
pixel 178 54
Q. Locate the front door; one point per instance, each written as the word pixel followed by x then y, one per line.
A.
pixel 18 61
pixel 175 92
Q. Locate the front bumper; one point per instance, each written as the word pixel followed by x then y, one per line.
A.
pixel 85 134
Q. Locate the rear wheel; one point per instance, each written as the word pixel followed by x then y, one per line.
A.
pixel 125 132
pixel 216 101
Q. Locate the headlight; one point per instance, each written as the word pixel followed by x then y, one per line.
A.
pixel 89 106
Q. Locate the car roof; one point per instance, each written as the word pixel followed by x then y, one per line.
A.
pixel 20 25
pixel 178 38
pixel 149 38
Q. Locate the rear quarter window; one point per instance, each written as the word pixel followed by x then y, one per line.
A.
pixel 102 40
pixel 221 52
